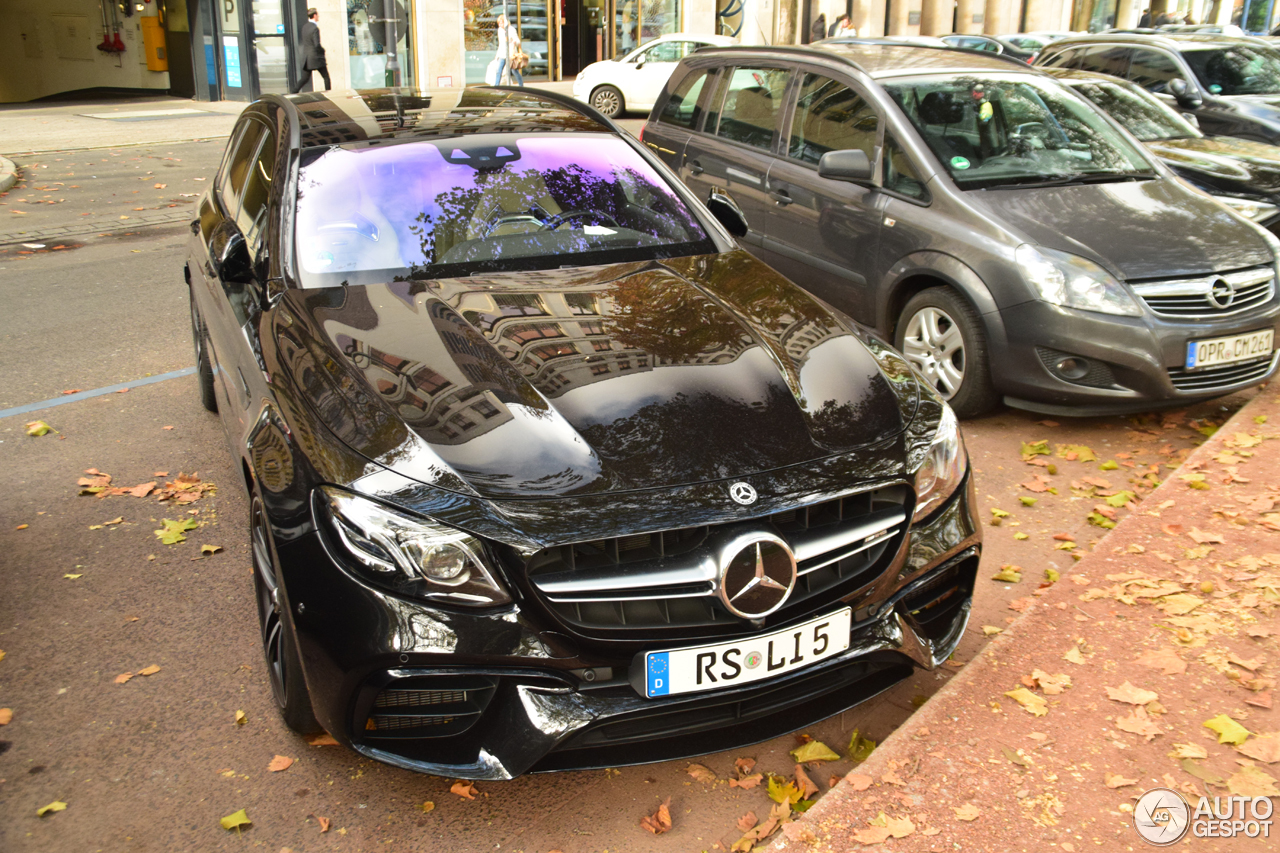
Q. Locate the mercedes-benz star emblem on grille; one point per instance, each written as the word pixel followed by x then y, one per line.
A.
pixel 1221 294
pixel 758 576
pixel 742 493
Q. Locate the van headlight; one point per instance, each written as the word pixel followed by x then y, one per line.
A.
pixel 1255 211
pixel 943 468
pixel 411 556
pixel 1074 282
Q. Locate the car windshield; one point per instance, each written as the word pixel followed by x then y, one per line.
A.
pixel 1140 113
pixel 999 130
pixel 484 203
pixel 1242 69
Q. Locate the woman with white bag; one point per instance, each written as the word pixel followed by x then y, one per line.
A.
pixel 509 54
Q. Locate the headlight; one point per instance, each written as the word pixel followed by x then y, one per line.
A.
pixel 1248 208
pixel 1074 282
pixel 412 556
pixel 943 468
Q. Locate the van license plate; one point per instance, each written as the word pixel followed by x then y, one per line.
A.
pixel 1215 351
pixel 749 659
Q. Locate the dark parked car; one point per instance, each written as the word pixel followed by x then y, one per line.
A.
pixel 1240 173
pixel 1013 241
pixel 544 471
pixel 1230 84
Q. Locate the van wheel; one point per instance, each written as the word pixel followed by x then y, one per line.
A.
pixel 204 370
pixel 942 337
pixel 608 101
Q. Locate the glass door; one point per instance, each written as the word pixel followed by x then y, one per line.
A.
pixel 270 48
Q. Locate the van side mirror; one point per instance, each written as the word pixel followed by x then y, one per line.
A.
pixel 1184 94
pixel 230 254
pixel 726 210
pixel 853 166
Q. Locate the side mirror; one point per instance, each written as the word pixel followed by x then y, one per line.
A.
pixel 1184 94
pixel 726 210
pixel 640 65
pixel 852 166
pixel 230 254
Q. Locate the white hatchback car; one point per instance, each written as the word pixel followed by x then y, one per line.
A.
pixel 633 81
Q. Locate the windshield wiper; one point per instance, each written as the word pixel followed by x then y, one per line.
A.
pixel 1036 182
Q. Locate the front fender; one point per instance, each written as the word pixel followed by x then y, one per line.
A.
pixel 948 270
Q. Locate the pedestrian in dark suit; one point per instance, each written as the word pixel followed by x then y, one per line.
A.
pixel 312 53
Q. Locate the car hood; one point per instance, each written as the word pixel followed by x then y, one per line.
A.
pixel 590 380
pixel 1142 229
pixel 1239 164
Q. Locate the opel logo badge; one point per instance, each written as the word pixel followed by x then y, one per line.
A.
pixel 757 575
pixel 742 493
pixel 1221 294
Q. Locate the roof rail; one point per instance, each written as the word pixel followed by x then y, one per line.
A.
pixel 798 50
pixel 563 100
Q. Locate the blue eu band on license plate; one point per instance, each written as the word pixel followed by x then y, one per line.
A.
pixel 659 674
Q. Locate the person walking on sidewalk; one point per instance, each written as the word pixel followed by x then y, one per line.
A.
pixel 312 53
pixel 510 58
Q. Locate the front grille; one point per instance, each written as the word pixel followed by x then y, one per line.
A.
pixel 1189 299
pixel 669 579
pixel 1210 379
pixel 426 706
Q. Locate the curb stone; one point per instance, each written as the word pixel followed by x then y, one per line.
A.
pixel 8 174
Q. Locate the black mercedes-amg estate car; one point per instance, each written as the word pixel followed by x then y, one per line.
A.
pixel 544 471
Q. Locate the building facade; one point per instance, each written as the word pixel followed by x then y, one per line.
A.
pixel 241 49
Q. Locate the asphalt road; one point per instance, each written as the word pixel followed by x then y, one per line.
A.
pixel 153 763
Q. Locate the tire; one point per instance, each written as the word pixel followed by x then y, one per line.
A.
pixel 284 667
pixel 943 338
pixel 608 101
pixel 204 370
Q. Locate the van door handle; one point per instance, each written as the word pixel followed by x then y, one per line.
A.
pixel 695 168
pixel 781 197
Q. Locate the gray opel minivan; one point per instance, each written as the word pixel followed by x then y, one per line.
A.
pixel 1009 238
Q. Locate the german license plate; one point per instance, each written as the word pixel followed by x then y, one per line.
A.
pixel 750 659
pixel 1226 350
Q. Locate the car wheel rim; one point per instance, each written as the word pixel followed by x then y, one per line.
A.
pixel 607 103
pixel 267 589
pixel 935 348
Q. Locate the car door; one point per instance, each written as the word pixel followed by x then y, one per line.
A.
pixel 680 115
pixel 1110 59
pixel 229 302
pixel 824 233
pixel 735 148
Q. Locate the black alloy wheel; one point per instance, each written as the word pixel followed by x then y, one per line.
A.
pixel 284 668
pixel 204 369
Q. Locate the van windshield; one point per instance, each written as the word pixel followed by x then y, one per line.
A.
pixel 1015 130
pixel 452 207
pixel 1141 114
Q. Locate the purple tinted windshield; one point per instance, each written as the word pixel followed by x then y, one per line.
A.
pixel 489 202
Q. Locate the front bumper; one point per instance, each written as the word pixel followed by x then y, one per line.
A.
pixel 509 693
pixel 1134 363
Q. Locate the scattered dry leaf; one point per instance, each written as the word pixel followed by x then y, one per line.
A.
pixel 279 763
pixel 1115 780
pixel 463 789
pixel 967 812
pixel 1132 695
pixel 660 821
